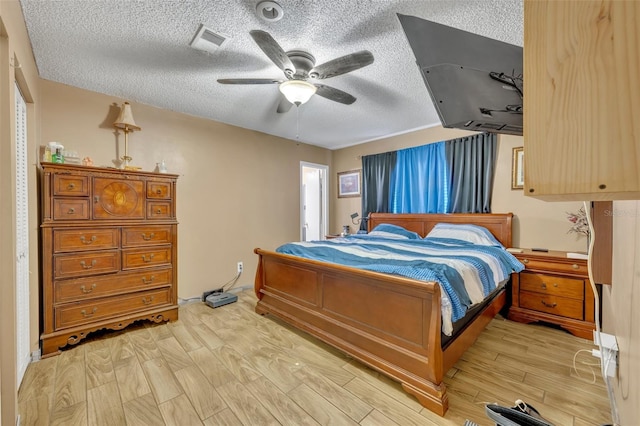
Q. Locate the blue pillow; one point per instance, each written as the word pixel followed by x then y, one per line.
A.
pixel 475 234
pixel 387 230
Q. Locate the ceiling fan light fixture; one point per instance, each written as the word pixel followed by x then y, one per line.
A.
pixel 297 91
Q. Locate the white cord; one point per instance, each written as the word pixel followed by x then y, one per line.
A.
pixel 603 365
pixel 593 373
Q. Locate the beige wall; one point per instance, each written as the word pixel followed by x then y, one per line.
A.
pixel 238 189
pixel 16 64
pixel 537 223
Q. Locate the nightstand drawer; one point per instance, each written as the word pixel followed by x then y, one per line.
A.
pixel 563 306
pixel 552 285
pixel 570 266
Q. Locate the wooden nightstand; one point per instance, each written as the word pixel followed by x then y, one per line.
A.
pixel 554 289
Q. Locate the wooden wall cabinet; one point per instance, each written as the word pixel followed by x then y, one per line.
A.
pixel 582 99
pixel 109 251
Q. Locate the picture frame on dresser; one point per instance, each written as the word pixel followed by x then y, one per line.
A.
pixel 517 168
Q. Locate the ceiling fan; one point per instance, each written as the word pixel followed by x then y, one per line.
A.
pixel 299 67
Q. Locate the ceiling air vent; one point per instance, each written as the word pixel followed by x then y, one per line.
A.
pixel 208 40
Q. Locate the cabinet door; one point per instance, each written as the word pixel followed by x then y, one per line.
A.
pixel 118 198
pixel 581 92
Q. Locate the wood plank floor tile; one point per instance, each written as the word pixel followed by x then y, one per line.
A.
pixel 161 380
pixel 70 415
pixel 586 408
pixel 351 405
pixel 376 418
pixel 200 392
pixel 121 348
pixel 279 404
pixel 35 411
pixel 174 354
pixel 144 345
pixel 277 366
pixel 159 331
pixel 319 408
pixel 70 385
pixel 242 369
pixel 99 368
pixel 245 406
pixel 223 418
pixel 212 368
pixel 179 412
pixel 327 364
pixel 207 336
pixel 387 405
pixel 142 411
pixel 187 340
pixel 132 383
pixel 39 379
pixel 104 407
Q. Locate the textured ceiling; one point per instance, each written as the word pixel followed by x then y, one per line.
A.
pixel 139 51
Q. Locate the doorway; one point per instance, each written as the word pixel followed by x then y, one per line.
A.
pixel 313 201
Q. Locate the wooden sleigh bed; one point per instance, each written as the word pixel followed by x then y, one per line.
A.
pixel 390 323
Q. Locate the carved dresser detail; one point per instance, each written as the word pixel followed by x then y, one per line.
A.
pixel 109 251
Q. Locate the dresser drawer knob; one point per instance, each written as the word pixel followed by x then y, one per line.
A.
pixel 146 258
pixel 85 266
pixel 549 305
pixel 159 191
pixel 158 211
pixel 543 285
pixel 148 237
pixel 71 186
pixel 84 289
pixel 88 314
pixel 147 300
pixel 90 241
pixel 71 211
pixel 525 261
pixel 148 281
pixel 575 266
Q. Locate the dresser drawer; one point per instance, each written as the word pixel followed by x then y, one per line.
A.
pixel 100 309
pixel 118 198
pixel 552 285
pixel 145 258
pixel 136 236
pixel 70 185
pixel 84 264
pixel 91 287
pixel 563 306
pixel 568 267
pixel 161 190
pixel 159 210
pixel 85 239
pixel 70 209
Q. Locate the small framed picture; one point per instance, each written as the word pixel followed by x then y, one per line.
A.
pixel 349 184
pixel 517 168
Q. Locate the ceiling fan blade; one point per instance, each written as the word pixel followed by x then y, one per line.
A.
pixel 248 81
pixel 272 49
pixel 334 94
pixel 342 65
pixel 284 105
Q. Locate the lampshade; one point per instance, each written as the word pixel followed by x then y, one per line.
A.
pixel 125 120
pixel 297 91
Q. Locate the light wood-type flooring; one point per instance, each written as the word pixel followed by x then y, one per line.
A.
pixel 230 366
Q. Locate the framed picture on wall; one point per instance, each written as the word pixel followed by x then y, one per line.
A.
pixel 349 184
pixel 517 168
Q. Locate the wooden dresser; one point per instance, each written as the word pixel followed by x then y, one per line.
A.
pixel 109 251
pixel 554 289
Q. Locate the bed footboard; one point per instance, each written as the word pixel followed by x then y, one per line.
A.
pixel 389 323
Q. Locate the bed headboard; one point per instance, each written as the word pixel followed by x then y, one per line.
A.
pixel 499 224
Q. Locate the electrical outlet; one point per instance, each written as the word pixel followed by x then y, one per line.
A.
pixel 240 267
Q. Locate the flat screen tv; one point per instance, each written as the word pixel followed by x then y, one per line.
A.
pixel 475 82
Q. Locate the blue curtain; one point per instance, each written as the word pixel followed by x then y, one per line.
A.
pixel 420 180
pixel 376 175
pixel 472 161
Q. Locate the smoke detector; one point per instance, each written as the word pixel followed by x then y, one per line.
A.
pixel 269 11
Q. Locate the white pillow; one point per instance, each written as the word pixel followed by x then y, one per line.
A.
pixel 475 234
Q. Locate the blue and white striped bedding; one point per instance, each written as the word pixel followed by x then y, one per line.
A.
pixel 466 272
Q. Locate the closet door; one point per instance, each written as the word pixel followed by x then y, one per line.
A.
pixel 22 240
